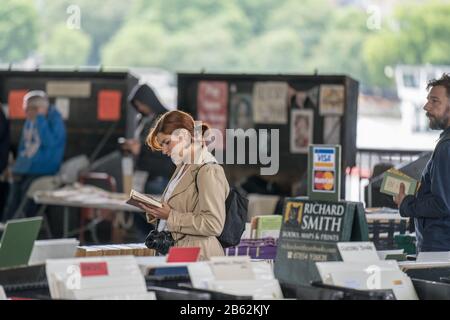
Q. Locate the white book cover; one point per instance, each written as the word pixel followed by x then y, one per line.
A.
pixel 201 273
pixel 433 257
pixel 331 267
pixel 258 289
pixel 341 265
pixel 262 270
pixel 53 249
pixel 396 280
pixel 384 274
pixel 90 278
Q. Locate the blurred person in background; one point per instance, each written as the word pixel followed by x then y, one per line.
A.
pixel 158 167
pixel 40 153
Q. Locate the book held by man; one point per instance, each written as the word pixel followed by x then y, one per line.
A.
pixel 392 180
pixel 137 198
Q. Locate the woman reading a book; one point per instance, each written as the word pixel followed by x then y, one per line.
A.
pixel 193 203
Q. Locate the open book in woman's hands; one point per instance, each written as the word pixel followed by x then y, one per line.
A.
pixel 137 198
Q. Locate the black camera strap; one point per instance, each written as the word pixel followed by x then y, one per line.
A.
pixel 176 240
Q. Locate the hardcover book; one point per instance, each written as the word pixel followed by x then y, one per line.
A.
pixel 392 180
pixel 268 226
pixel 137 198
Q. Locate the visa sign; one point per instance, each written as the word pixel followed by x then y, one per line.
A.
pixel 324 159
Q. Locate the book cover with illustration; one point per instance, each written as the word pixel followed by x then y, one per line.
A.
pixel 392 180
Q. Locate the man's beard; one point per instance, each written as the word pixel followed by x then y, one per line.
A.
pixel 439 123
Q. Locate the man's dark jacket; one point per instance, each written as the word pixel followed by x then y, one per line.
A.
pixel 431 206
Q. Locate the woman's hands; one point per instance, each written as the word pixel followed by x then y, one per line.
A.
pixel 155 212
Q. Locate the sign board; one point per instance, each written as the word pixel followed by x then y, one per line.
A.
pixel 69 89
pixel 309 234
pixel 324 172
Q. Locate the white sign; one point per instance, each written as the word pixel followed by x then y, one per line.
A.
pixel 70 89
pixel 232 268
pixel 358 251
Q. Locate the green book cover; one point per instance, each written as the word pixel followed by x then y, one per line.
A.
pixel 397 257
pixel 18 241
pixel 269 226
pixel 392 180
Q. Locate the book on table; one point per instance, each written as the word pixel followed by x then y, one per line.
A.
pixel 137 198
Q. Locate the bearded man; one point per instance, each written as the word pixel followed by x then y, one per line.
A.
pixel 430 207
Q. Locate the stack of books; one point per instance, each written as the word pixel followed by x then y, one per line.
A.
pixel 132 249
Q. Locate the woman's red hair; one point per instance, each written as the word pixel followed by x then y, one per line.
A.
pixel 168 123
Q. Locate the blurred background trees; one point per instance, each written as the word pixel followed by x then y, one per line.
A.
pixel 18 30
pixel 276 36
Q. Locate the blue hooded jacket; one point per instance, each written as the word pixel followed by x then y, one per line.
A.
pixel 431 206
pixel 50 144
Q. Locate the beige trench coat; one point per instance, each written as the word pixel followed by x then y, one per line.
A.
pixel 199 215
